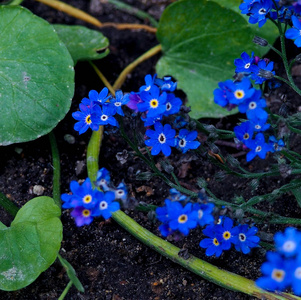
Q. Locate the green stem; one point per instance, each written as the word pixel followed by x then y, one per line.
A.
pixel 220 277
pixel 56 170
pixel 134 11
pixel 8 205
pixel 66 290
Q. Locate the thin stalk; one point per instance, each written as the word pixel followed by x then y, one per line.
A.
pixel 56 192
pixel 220 277
pixel 8 205
pixel 125 26
pixel 72 11
pixel 66 290
pixel 134 11
pixel 103 78
pixel 122 77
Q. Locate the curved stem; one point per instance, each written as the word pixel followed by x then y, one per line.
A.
pixel 56 170
pixel 122 77
pixel 131 26
pixel 220 277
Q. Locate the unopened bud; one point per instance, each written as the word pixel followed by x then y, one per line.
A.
pixel 298 58
pixel 260 41
pixel 265 74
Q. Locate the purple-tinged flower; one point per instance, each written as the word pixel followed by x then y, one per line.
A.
pixel 245 238
pixel 289 242
pixel 149 83
pixel 153 102
pixel 182 218
pixel 120 100
pixel 212 244
pixel 134 99
pixel 244 64
pixel 244 132
pixel 204 213
pixel 87 117
pixel 258 147
pixel 275 273
pixel 258 12
pixel 276 145
pixel 295 32
pixel 256 69
pixel 106 205
pixel 161 139
pixel 166 84
pixel 82 216
pixel 173 105
pixel 185 140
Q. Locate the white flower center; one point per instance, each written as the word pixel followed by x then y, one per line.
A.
pixel 242 237
pixel 168 106
pixel 258 149
pixel 252 105
pixel 298 273
pixel 117 103
pixel 104 117
pixel 200 214
pixel 103 205
pixel 182 143
pixel 257 127
pixel 162 138
pixel 247 66
pixel 278 275
pixel 289 246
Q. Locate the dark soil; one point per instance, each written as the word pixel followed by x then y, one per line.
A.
pixel 109 262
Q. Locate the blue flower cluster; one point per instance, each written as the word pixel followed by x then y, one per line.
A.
pixel 155 100
pixel 88 202
pixel 99 109
pixel 289 12
pixel 283 267
pixel 178 216
pixel 222 235
pixel 248 100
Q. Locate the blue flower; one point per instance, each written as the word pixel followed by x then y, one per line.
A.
pixel 149 83
pixel 166 84
pixel 258 147
pixel 175 195
pixel 106 115
pixel 261 65
pixel 186 140
pixel 87 117
pixel 106 206
pixel 153 102
pixel 121 192
pixel 246 6
pixel 244 64
pixel 259 125
pixel 82 216
pixel 295 33
pixel 165 230
pixel 204 213
pixel 103 179
pixel 245 238
pixel 220 94
pixel 162 213
pixel 100 98
pixel 173 105
pixel 182 218
pixel 258 12
pixel 275 273
pixel 224 233
pixel 276 145
pixel 179 122
pixel 161 139
pixel 289 242
pixel 82 195
pixel 296 275
pixel 244 132
pixel 120 100
pixel 213 245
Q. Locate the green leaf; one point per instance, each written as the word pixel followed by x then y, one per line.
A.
pixel 31 244
pixel 71 274
pixel 83 43
pixel 36 76
pixel 200 40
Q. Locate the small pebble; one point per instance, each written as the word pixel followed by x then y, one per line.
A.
pixel 70 139
pixel 38 190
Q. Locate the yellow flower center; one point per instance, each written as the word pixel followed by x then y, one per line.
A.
pixel 246 136
pixel 88 119
pixel 182 219
pixel 154 103
pixel 278 275
pixel 215 242
pixel 239 94
pixel 86 213
pixel 226 235
pixel 87 199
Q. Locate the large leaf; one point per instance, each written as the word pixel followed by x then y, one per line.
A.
pixel 36 76
pixel 83 43
pixel 31 244
pixel 200 40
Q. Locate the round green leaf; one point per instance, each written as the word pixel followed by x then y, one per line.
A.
pixel 83 43
pixel 31 244
pixel 200 40
pixel 36 76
